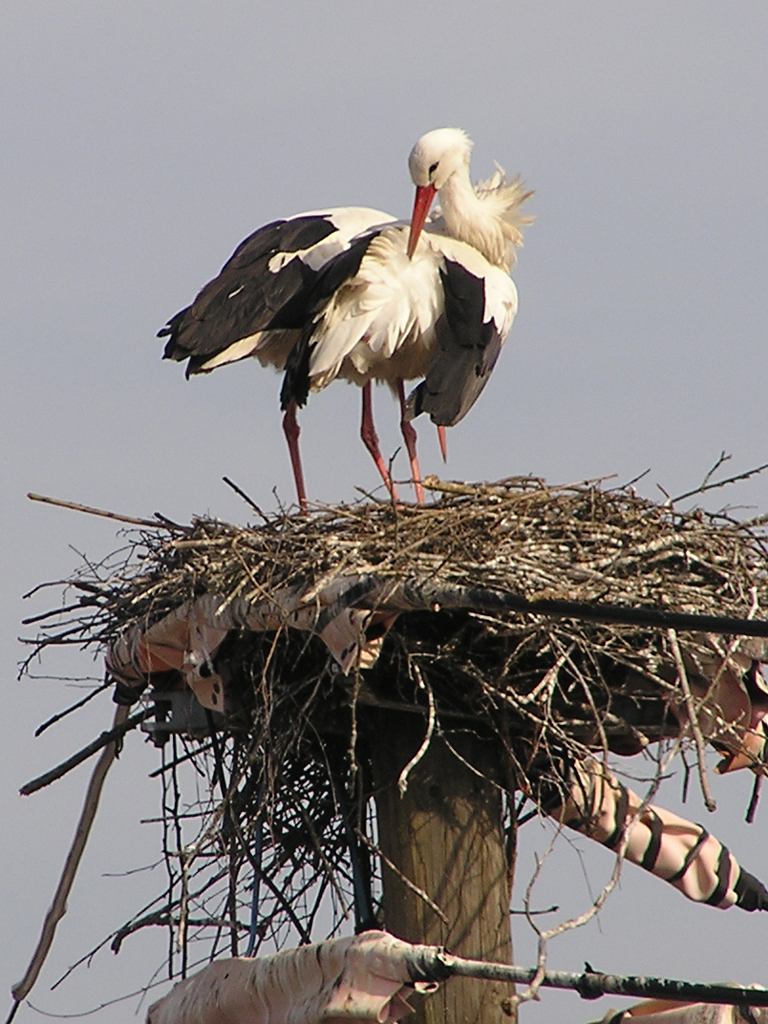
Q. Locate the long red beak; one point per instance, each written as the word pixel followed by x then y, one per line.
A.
pixel 421 206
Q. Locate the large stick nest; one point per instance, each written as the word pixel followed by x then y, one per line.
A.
pixel 291 761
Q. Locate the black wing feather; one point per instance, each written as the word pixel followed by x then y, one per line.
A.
pixel 247 296
pixel 467 350
pixel 295 387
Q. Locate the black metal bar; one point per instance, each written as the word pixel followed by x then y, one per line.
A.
pixel 415 596
pixel 364 916
pixel 258 854
pixel 430 963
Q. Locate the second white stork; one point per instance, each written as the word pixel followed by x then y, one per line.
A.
pixel 354 293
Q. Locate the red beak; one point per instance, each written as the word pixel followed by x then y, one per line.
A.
pixel 421 206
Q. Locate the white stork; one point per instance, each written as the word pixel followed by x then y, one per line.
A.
pixel 354 293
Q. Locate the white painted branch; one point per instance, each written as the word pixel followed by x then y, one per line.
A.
pixel 360 978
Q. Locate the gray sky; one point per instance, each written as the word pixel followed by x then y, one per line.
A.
pixel 142 141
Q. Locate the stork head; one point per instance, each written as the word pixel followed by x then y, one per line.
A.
pixel 434 159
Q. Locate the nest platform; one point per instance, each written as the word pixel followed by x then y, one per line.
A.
pixel 307 638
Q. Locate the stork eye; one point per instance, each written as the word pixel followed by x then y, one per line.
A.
pixel 432 169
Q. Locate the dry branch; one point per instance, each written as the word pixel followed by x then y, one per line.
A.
pixel 693 723
pixel 58 907
pixel 116 733
pixel 91 511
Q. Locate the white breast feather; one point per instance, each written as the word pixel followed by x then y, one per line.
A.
pixel 390 305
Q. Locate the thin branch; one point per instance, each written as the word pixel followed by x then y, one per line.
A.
pixel 58 907
pixel 84 602
pixel 576 922
pixel 249 501
pixel 374 848
pixel 402 782
pixel 73 707
pixel 202 749
pixel 133 520
pixel 721 460
pixel 535 913
pixel 122 726
pixel 749 817
pixel 163 919
pixel 629 483
pixel 720 483
pixel 693 720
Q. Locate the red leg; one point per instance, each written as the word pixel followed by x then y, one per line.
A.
pixel 443 443
pixel 371 440
pixel 409 436
pixel 291 430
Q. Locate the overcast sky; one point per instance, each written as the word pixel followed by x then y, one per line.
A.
pixel 141 141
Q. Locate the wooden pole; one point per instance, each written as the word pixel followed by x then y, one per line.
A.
pixel 445 835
